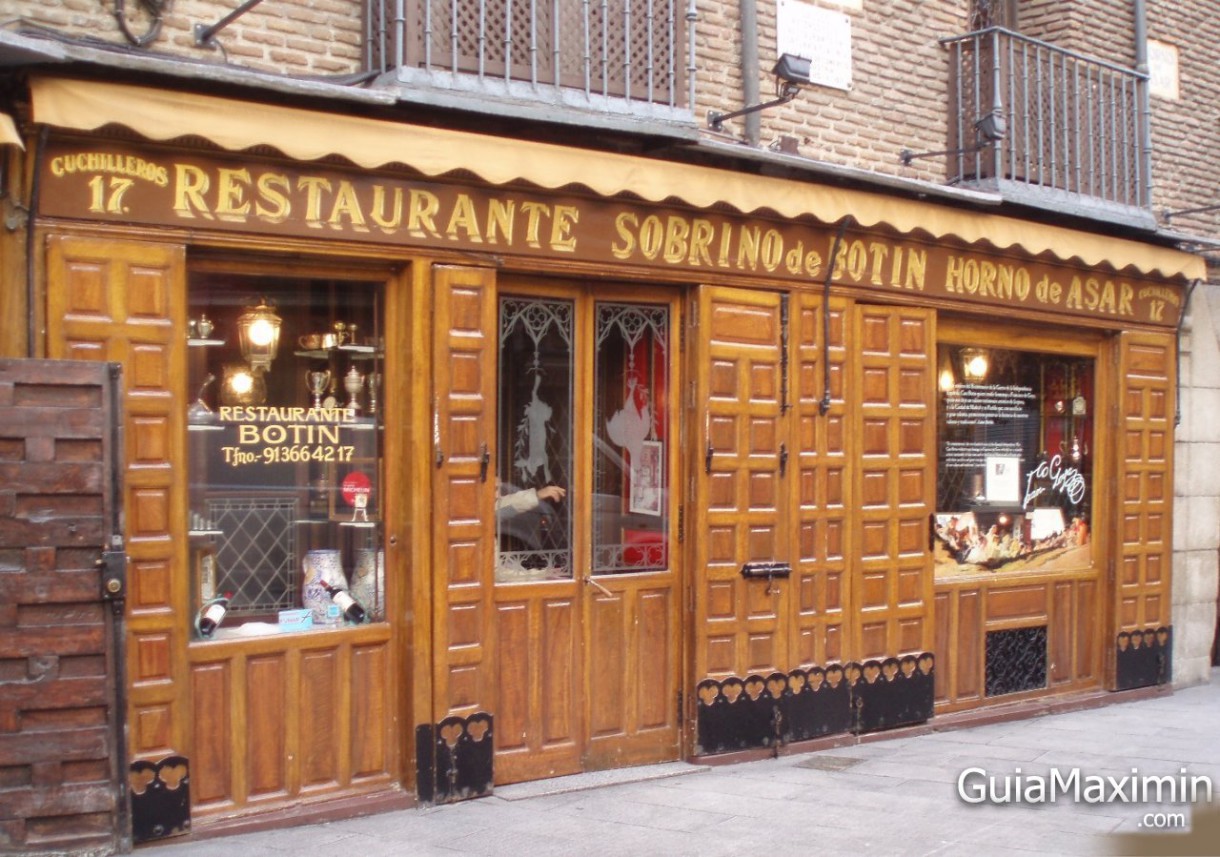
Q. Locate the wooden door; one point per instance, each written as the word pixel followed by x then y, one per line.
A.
pixel 742 515
pixel 125 302
pixel 537 613
pixel 822 480
pixel 631 588
pixel 891 585
pixel 588 652
pixel 1145 503
pixel 463 408
pixel 580 671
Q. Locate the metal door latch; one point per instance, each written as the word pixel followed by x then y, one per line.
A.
pixel 114 578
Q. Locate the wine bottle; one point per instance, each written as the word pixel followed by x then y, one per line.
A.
pixel 352 610
pixel 211 615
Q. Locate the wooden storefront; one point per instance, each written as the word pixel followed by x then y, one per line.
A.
pixel 754 392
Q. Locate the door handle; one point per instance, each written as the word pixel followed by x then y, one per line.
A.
pixel 783 459
pixel 484 461
pixel 707 458
pixel 603 590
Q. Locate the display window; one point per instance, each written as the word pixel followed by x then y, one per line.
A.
pixel 285 443
pixel 1015 443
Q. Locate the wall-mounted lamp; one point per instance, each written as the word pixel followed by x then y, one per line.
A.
pixel 791 72
pixel 989 130
pixel 258 331
pixel 975 364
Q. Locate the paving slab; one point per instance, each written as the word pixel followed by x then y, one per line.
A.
pixel 888 798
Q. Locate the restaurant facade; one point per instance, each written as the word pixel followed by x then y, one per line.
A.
pixel 623 460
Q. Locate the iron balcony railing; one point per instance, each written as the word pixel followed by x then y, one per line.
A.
pixel 620 56
pixel 1070 123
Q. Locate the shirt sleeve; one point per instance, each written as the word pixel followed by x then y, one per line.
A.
pixel 518 502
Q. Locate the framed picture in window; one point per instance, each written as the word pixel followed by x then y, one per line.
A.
pixel 647 474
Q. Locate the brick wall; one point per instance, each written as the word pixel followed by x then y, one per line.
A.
pixel 1186 132
pixel 900 79
pixel 300 37
pixel 900 74
pixel 58 780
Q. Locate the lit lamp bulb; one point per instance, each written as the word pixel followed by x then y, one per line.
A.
pixel 242 386
pixel 974 364
pixel 241 382
pixel 945 378
pixel 258 330
pixel 947 381
pixel 262 333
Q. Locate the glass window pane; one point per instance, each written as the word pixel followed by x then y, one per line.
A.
pixel 1014 489
pixel 533 523
pixel 284 437
pixel 630 438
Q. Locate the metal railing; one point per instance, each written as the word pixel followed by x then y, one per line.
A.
pixel 1072 123
pixel 622 50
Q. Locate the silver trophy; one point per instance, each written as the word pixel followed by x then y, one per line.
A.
pixel 353 382
pixel 317 381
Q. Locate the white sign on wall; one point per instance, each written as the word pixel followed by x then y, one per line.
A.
pixel 1163 69
pixel 821 36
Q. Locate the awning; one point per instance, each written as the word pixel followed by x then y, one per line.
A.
pixel 307 135
pixel 9 135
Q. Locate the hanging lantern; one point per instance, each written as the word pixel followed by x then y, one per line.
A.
pixel 258 330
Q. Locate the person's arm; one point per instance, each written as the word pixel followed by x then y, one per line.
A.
pixel 518 502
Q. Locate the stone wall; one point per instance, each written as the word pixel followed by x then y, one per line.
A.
pixel 1196 574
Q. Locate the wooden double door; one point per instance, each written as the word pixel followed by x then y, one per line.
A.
pixel 560 617
pixel 814 431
